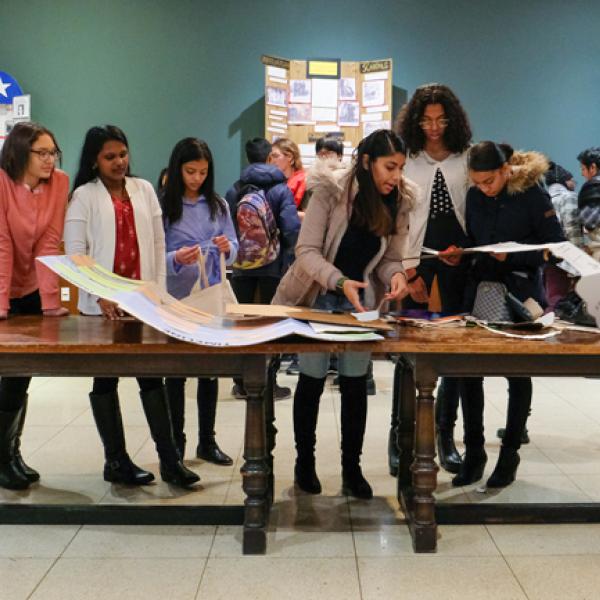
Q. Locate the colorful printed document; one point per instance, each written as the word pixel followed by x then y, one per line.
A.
pixel 152 305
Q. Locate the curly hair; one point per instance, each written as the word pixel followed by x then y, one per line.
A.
pixel 457 136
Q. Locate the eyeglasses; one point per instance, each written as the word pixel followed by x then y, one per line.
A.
pixel 46 154
pixel 428 123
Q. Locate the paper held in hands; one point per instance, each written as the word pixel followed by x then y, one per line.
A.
pixel 588 287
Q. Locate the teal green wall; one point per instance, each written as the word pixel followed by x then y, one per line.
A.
pixel 527 72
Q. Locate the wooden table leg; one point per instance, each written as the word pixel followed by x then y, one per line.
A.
pixel 271 430
pixel 424 470
pixel 406 393
pixel 255 472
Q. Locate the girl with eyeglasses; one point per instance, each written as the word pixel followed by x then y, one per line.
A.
pixel 349 252
pixel 196 219
pixel 437 132
pixel 116 219
pixel 33 197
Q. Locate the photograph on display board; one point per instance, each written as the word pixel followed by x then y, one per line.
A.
pixel 347 88
pixel 373 93
pixel 300 91
pixel 276 96
pixel 299 114
pixel 348 114
pixel 22 107
pixel 371 126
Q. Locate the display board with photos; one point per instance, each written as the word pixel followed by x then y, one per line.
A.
pixel 309 99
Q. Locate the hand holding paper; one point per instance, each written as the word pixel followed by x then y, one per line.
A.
pixel 451 256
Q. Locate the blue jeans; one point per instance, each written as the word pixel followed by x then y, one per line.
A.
pixel 350 364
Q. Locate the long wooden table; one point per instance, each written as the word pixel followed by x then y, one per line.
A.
pixel 78 346
pixel 472 352
pixel 88 346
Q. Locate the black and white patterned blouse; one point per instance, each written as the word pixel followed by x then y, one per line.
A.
pixel 440 203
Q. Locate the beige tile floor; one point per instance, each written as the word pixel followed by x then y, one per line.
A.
pixel 319 547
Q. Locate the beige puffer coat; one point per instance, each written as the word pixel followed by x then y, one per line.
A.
pixel 324 225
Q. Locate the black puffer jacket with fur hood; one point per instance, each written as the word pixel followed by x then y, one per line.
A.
pixel 522 212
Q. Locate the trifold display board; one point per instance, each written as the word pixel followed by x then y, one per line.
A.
pixel 308 99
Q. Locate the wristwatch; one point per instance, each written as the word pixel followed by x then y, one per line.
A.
pixel 339 284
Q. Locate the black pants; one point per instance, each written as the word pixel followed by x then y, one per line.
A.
pixel 519 402
pixel 108 385
pixel 246 288
pixel 441 232
pixel 14 389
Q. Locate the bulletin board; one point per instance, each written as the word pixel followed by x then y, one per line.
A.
pixel 308 99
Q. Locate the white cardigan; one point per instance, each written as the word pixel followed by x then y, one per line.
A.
pixel 421 169
pixel 90 229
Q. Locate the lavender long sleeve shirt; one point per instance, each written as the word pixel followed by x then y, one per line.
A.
pixel 197 227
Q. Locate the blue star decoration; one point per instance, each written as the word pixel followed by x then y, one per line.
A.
pixel 8 88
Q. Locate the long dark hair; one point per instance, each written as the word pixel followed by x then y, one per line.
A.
pixel 367 208
pixel 95 138
pixel 489 156
pixel 186 150
pixel 17 147
pixel 457 135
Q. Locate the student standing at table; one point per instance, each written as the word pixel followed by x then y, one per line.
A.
pixel 436 130
pixel 196 220
pixel 349 253
pixel 116 219
pixel 33 198
pixel 507 203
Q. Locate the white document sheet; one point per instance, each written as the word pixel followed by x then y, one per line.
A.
pixel 325 92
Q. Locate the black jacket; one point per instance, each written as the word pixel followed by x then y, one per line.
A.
pixel 522 212
pixel 589 194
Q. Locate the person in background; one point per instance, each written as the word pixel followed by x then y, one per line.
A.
pixel 589 199
pixel 349 252
pixel 259 285
pixel 330 149
pixel 559 279
pixel 196 220
pixel 285 155
pixel 506 203
pixel 116 219
pixel 33 198
pixel 437 132
pixel 162 180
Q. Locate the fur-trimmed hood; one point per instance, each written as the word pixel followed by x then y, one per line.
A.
pixel 528 169
pixel 333 175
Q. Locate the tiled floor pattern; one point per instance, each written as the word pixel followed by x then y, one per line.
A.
pixel 319 547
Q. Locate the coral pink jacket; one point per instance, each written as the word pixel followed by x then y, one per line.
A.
pixel 31 224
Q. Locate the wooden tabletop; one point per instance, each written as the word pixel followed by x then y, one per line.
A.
pixel 78 334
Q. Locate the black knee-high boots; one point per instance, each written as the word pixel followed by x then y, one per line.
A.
pixel 206 398
pixel 11 475
pixel 354 420
pixel 156 408
pixel 118 466
pixel 306 412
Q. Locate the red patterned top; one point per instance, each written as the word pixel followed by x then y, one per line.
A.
pixel 127 254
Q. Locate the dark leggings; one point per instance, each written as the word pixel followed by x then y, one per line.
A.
pixel 519 402
pixel 246 288
pixel 108 385
pixel 13 390
pixel 250 290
